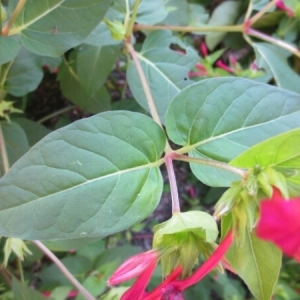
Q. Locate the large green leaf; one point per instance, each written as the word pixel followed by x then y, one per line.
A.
pixel 94 177
pixel 15 142
pixel 9 49
pixel 23 74
pixel 220 118
pixel 166 70
pixel 51 27
pixel 258 263
pixel 225 14
pixel 270 58
pixel 82 78
pixel 281 152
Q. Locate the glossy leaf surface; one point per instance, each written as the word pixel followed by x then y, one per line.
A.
pixel 94 177
pixel 222 117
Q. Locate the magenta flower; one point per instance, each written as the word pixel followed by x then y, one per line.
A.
pixel 142 266
pixel 280 5
pixel 280 223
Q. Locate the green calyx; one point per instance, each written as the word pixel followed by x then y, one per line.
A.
pixel 184 237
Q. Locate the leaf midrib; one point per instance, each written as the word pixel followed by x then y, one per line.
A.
pixel 212 138
pixel 25 25
pixel 118 173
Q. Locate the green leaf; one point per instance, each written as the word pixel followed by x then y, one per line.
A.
pixel 258 263
pixel 82 78
pixel 59 25
pixel 100 37
pixel 92 178
pixel 281 152
pixel 225 14
pixel 166 70
pixel 23 292
pixel 79 266
pixel 23 74
pixel 15 141
pixel 9 49
pixel 34 131
pixel 270 58
pixel 220 118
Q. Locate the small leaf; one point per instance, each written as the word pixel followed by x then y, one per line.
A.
pixel 52 29
pixel 92 178
pixel 9 49
pixel 23 74
pixel 23 292
pixel 15 140
pixel 281 152
pixel 258 263
pixel 225 14
pixel 220 118
pixel 166 70
pixel 82 78
pixel 270 59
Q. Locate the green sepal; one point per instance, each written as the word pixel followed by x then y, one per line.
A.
pixel 6 108
pixel 116 28
pixel 183 237
pixel 17 246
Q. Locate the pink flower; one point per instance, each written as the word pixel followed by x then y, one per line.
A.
pixel 280 4
pixel 171 288
pixel 221 65
pixel 134 266
pixel 280 223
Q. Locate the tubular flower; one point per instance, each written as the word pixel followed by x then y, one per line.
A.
pixel 280 5
pixel 142 266
pixel 172 289
pixel 280 223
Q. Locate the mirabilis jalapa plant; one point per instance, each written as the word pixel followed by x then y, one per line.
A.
pixel 101 175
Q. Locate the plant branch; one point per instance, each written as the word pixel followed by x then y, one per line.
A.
pixel 132 19
pixel 145 85
pixel 274 41
pixel 64 270
pixel 4 157
pixel 258 15
pixel 56 113
pixel 173 184
pixel 233 28
pixel 13 17
pixel 213 163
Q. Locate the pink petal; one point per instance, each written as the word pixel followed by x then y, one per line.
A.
pixel 133 267
pixel 137 290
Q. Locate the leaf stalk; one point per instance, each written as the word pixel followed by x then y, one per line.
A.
pixel 173 183
pixel 64 270
pixel 132 19
pixel 213 163
pixel 13 17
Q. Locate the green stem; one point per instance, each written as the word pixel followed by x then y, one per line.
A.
pixel 13 17
pixel 257 16
pixel 64 270
pixel 4 157
pixel 20 268
pixel 132 19
pixel 56 113
pixel 274 41
pixel 213 163
pixel 173 184
pixel 127 14
pixel 233 28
